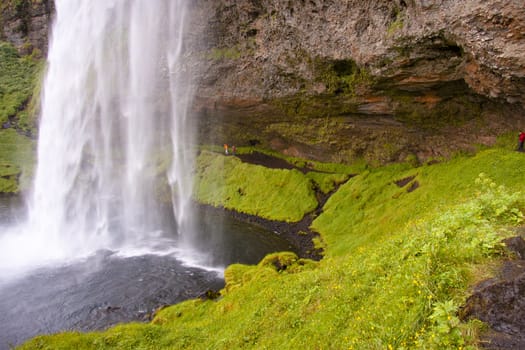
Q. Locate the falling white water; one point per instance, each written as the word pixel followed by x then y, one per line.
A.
pixel 114 116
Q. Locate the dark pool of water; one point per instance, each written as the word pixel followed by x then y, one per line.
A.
pixel 105 289
pixel 96 293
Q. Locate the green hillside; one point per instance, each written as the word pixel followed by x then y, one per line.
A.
pixel 399 259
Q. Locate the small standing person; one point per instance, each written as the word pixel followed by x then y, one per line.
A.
pixel 225 149
pixel 233 149
pixel 521 139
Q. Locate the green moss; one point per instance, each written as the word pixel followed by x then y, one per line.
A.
pixel 279 261
pixel 236 275
pixel 226 53
pixel 508 140
pixel 368 197
pixel 8 184
pixel 312 132
pixel 342 77
pixel 451 105
pixel 19 77
pixel 396 25
pixel 327 182
pixel 332 168
pixel 342 80
pixel 252 189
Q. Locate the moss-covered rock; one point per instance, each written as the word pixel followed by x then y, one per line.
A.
pixel 279 261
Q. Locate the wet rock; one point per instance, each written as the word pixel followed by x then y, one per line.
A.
pixel 516 245
pixel 112 308
pixel 500 302
pixel 413 186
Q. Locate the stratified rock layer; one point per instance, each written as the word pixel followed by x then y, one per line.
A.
pixel 384 80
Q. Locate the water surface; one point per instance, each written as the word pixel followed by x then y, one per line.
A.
pixel 109 287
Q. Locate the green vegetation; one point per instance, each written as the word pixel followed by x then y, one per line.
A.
pixel 455 111
pixel 439 185
pixel 18 83
pixel 316 131
pixel 338 84
pixel 396 25
pixel 227 53
pixel 19 78
pixel 327 182
pixel 398 265
pixel 17 158
pixel 344 77
pixel 252 189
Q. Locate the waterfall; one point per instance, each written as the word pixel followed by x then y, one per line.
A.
pixel 115 133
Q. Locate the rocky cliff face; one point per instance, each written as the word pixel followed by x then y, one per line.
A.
pixel 25 23
pixel 384 80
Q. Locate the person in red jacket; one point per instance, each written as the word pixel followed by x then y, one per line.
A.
pixel 521 138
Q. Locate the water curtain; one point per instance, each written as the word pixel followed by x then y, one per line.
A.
pixel 116 141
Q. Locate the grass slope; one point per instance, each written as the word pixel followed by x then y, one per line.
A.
pixel 397 267
pixel 19 77
pixel 371 205
pixel 278 194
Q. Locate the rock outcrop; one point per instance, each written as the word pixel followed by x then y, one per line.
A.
pixel 25 23
pixel 384 80
pixel 500 302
